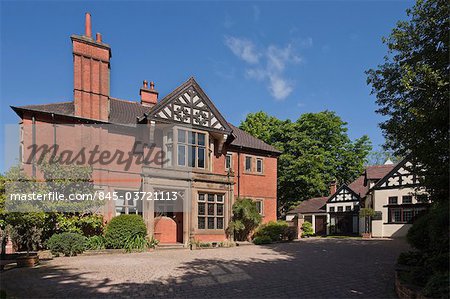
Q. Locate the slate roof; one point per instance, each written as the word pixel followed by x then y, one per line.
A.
pixel 243 139
pixel 126 112
pixel 312 205
pixel 377 172
pixel 374 172
pixel 358 186
pixel 62 108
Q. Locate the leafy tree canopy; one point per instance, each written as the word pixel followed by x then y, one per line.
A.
pixel 316 150
pixel 412 90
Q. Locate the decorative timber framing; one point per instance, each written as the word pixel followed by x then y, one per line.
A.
pixel 400 176
pixel 189 105
pixel 344 194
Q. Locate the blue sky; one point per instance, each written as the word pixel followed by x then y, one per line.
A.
pixel 285 58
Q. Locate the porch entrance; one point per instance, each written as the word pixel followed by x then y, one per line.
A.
pixel 343 223
pixel 168 222
pixel 321 225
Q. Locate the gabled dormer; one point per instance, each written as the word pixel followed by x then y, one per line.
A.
pixel 400 176
pixel 343 194
pixel 190 106
pixel 193 130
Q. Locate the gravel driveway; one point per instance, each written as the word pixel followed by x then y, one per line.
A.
pixel 308 268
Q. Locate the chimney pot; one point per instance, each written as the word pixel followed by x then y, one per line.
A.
pixel 149 96
pixel 98 37
pixel 333 187
pixel 88 26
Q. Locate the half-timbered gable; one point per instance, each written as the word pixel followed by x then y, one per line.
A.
pixel 400 176
pixel 189 105
pixel 344 193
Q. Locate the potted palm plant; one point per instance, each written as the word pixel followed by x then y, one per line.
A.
pixel 26 231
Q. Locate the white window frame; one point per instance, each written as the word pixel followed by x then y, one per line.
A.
pixel 262 165
pixel 229 156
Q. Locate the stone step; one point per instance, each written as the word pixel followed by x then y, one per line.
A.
pixel 170 246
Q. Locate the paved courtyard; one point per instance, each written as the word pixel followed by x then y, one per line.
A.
pixel 309 268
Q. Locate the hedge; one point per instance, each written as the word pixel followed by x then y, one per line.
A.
pixel 123 228
pixel 69 244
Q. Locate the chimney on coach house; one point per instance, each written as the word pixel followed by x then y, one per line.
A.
pixel 149 96
pixel 91 74
pixel 333 187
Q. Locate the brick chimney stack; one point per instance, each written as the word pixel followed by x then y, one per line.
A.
pixel 333 187
pixel 149 96
pixel 91 74
pixel 88 26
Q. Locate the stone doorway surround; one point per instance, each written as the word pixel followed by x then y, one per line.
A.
pixel 189 184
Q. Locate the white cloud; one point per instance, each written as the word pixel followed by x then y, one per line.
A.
pixel 267 65
pixel 278 57
pixel 279 87
pixel 243 48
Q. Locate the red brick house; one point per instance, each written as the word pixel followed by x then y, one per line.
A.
pixel 209 162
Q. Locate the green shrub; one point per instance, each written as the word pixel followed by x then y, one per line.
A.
pixel 429 263
pixel 275 230
pixel 69 244
pixel 91 224
pixel 87 224
pixel 290 234
pixel 122 229
pixel 410 258
pixel 139 243
pixel 95 243
pixel 307 229
pixel 262 240
pixel 437 286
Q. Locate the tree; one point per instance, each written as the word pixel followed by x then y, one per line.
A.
pixel 315 150
pixel 381 156
pixel 29 222
pixel 412 91
pixel 367 214
pixel 245 219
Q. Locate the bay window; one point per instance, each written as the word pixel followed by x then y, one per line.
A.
pixel 188 148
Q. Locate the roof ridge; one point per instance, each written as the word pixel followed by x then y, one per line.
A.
pixel 126 101
pixel 47 104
